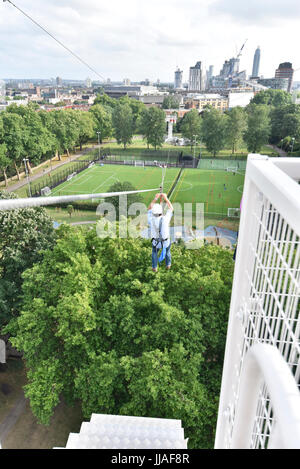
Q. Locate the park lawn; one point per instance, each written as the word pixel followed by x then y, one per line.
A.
pixel 61 215
pixel 207 187
pixel 194 185
pixel 98 179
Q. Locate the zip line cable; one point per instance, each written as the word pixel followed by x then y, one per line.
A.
pixel 57 40
pixel 11 204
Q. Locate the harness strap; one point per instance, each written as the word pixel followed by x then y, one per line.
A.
pixel 159 239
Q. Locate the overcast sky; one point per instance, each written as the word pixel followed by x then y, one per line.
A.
pixel 140 39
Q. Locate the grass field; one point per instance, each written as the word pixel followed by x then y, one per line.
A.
pixel 218 190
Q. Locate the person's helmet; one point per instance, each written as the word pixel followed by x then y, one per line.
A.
pixel 157 209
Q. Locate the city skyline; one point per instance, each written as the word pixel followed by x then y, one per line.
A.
pixel 121 41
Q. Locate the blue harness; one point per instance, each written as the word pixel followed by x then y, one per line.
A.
pixel 160 240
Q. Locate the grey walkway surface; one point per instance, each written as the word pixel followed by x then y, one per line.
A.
pixel 10 420
pixel 43 172
pixel 279 150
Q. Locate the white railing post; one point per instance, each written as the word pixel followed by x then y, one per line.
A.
pixel 264 364
pixel 266 288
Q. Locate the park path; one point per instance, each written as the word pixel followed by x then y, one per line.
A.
pixel 279 150
pixel 10 420
pixel 43 172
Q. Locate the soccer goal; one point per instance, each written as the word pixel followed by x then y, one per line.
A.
pixel 71 176
pixel 139 163
pixel 232 169
pixel 46 191
pixel 233 213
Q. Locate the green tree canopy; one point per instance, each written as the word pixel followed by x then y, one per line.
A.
pixel 24 233
pixel 285 121
pixel 272 97
pixel 214 129
pixel 125 186
pixel 99 326
pixel 105 100
pixel 103 120
pixel 14 136
pixel 191 126
pixel 86 127
pixel 37 140
pixel 123 124
pixel 170 102
pixel 236 125
pixel 152 125
pixel 259 129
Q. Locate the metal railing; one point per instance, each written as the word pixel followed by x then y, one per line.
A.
pixel 265 295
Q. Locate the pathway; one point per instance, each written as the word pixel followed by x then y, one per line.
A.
pixel 43 172
pixel 279 150
pixel 11 419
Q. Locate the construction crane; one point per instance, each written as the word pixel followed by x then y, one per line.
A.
pixel 230 74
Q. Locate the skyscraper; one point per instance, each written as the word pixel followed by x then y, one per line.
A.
pixel 209 75
pixel 196 78
pixel 285 70
pixel 256 60
pixel 58 81
pixel 178 78
pixel 2 91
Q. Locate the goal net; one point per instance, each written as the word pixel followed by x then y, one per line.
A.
pixel 139 163
pixel 233 212
pixel 46 191
pixel 232 169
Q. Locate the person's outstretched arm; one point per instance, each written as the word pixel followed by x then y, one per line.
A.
pixel 164 196
pixel 157 196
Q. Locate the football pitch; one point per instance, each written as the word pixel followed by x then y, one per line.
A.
pixel 217 190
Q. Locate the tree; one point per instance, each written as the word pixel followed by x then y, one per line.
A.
pixel 272 97
pixel 123 187
pixel 152 125
pixel 191 126
pixel 103 121
pixel 258 130
pixel 105 100
pixel 214 129
pixel 285 121
pixel 24 233
pixel 70 209
pixel 136 107
pixel 37 140
pixel 123 125
pixel 235 127
pixel 170 102
pixel 5 162
pixel 97 325
pixel 13 135
pixel 86 127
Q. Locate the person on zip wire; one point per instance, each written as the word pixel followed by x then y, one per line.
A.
pixel 159 230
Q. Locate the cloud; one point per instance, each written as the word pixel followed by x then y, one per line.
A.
pixel 139 39
pixel 264 12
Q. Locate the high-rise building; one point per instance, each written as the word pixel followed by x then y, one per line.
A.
pixel 230 67
pixel 196 78
pixel 178 78
pixel 209 75
pixel 256 60
pixel 285 70
pixel 88 82
pixel 58 81
pixel 2 91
